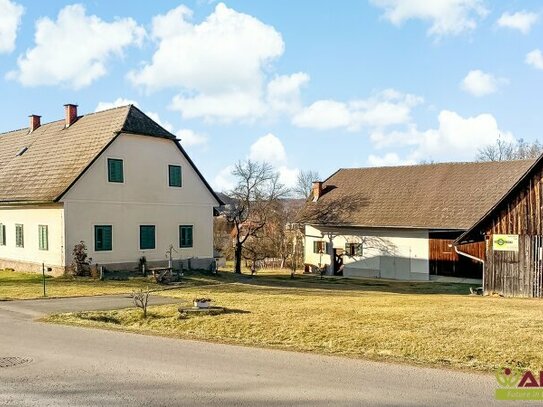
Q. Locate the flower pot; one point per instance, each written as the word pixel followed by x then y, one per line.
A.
pixel 201 304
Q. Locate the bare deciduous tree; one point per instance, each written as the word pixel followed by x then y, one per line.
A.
pixel 510 150
pixel 141 299
pixel 253 202
pixel 302 188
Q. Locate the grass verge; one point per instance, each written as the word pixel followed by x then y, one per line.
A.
pixel 423 323
pixel 18 286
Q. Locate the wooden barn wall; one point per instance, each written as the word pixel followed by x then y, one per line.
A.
pixel 516 274
pixel 446 262
pixel 521 215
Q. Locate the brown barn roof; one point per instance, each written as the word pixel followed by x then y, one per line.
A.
pixel 473 233
pixel 432 196
pixel 56 156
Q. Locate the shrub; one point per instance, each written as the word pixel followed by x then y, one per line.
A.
pixel 81 261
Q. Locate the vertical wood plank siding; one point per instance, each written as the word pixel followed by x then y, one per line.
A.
pixel 446 262
pixel 519 273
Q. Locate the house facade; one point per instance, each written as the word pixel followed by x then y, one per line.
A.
pixel 113 179
pixel 401 222
pixel 511 232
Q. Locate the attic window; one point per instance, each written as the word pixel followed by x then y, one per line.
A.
pixel 22 151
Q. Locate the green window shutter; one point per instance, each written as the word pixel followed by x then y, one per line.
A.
pixel 147 237
pixel 43 237
pixel 320 245
pixel 185 236
pixel 19 236
pixel 103 236
pixel 174 172
pixel 359 249
pixel 2 234
pixel 115 170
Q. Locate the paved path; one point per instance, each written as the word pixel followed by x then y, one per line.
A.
pixel 75 366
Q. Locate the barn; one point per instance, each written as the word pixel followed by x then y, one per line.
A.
pixel 511 232
pixel 401 222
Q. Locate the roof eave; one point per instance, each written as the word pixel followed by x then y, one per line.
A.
pixel 25 203
pixel 347 225
pixel 483 218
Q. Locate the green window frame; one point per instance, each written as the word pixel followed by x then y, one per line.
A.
pixel 147 237
pixel 19 235
pixel 320 245
pixel 2 234
pixel 186 234
pixel 354 249
pixel 43 237
pixel 115 170
pixel 103 238
pixel 174 176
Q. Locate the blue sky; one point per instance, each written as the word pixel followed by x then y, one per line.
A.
pixel 304 85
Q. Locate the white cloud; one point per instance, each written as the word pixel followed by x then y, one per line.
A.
pixel 447 17
pixel 386 108
pixel 116 103
pixel 288 176
pixel 235 105
pixel 10 19
pixel 283 92
pixel 535 59
pixel 521 21
pixel 479 83
pixel 323 115
pixel 218 66
pixel 269 149
pixel 224 180
pixel 191 138
pixel 156 117
pixel 74 49
pixel 457 138
pixel 387 160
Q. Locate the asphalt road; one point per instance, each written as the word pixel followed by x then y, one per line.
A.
pixel 74 366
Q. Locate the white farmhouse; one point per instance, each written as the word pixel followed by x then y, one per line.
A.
pixel 401 222
pixel 114 179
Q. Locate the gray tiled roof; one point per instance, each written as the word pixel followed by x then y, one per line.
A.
pixel 56 155
pixel 433 196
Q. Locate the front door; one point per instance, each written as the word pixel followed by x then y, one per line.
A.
pixel 338 262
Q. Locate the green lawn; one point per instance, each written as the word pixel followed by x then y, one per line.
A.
pixel 14 285
pixel 424 323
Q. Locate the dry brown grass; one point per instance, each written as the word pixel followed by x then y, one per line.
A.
pixel 423 323
pixel 17 286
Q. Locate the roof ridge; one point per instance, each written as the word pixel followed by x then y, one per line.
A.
pixel 79 116
pixel 128 105
pixel 458 163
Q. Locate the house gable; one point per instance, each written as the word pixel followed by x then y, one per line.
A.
pixel 40 165
pixel 146 162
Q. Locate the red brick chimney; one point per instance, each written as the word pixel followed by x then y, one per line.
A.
pixel 317 190
pixel 35 122
pixel 70 113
